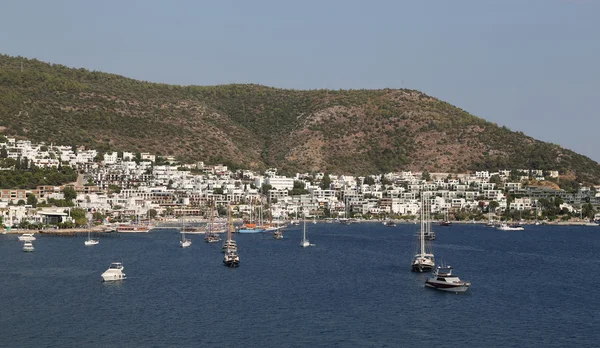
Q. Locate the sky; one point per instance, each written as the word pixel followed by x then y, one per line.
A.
pixel 530 65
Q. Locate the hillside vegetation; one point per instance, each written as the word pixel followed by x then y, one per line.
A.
pixel 346 131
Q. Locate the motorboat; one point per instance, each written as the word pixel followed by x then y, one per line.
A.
pixel 27 237
pixel 278 235
pixel 28 246
pixel 389 223
pixel 231 258
pixel 443 279
pixel 445 223
pixel 511 227
pixel 114 272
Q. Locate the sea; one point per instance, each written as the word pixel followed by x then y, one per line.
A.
pixel 534 288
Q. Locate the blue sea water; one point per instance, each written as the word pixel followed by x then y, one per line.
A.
pixel 532 288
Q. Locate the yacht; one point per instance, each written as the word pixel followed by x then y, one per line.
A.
pixel 423 260
pixel 231 258
pixel 511 227
pixel 133 228
pixel 114 272
pixel 389 223
pixel 443 279
pixel 28 246
pixel 27 237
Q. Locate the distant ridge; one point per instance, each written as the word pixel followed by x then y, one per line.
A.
pixel 253 126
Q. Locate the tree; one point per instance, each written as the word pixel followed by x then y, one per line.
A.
pixel 588 211
pixel 493 205
pixel 69 193
pixel 326 182
pixel 152 213
pixel 3 152
pixel 425 176
pixel 369 180
pixel 32 200
pixel 264 189
pixel 78 215
pixel 21 202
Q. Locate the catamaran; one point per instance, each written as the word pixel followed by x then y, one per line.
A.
pixel 423 260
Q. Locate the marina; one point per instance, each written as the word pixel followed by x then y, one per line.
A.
pixel 343 292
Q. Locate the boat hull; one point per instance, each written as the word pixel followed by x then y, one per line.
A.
pixel 251 230
pixel 422 268
pixel 231 264
pixel 447 287
pixel 91 242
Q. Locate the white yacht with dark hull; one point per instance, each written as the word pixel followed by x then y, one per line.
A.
pixel 27 237
pixel 114 272
pixel 443 279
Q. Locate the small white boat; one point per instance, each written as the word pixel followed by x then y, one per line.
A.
pixel 28 246
pixel 91 241
pixel 507 227
pixel 278 235
pixel 184 242
pixel 114 272
pixel 443 279
pixel 304 242
pixel 27 237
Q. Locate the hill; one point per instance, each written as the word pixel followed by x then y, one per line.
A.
pixel 345 131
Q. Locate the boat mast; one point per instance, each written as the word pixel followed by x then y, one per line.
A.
pixel 304 229
pixel 230 227
pixel 422 224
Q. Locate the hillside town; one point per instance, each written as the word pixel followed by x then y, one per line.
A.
pixel 123 186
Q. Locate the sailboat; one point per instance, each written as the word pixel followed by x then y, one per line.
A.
pixel 423 260
pixel 210 236
pixel 446 221
pixel 89 240
pixel 231 258
pixel 184 242
pixel 295 222
pixel 305 242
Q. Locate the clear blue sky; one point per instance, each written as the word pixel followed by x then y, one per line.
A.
pixel 531 65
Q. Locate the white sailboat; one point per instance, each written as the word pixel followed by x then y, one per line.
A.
pixel 423 261
pixel 184 242
pixel 91 241
pixel 305 242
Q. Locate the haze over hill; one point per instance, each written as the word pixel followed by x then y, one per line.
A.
pixel 342 131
